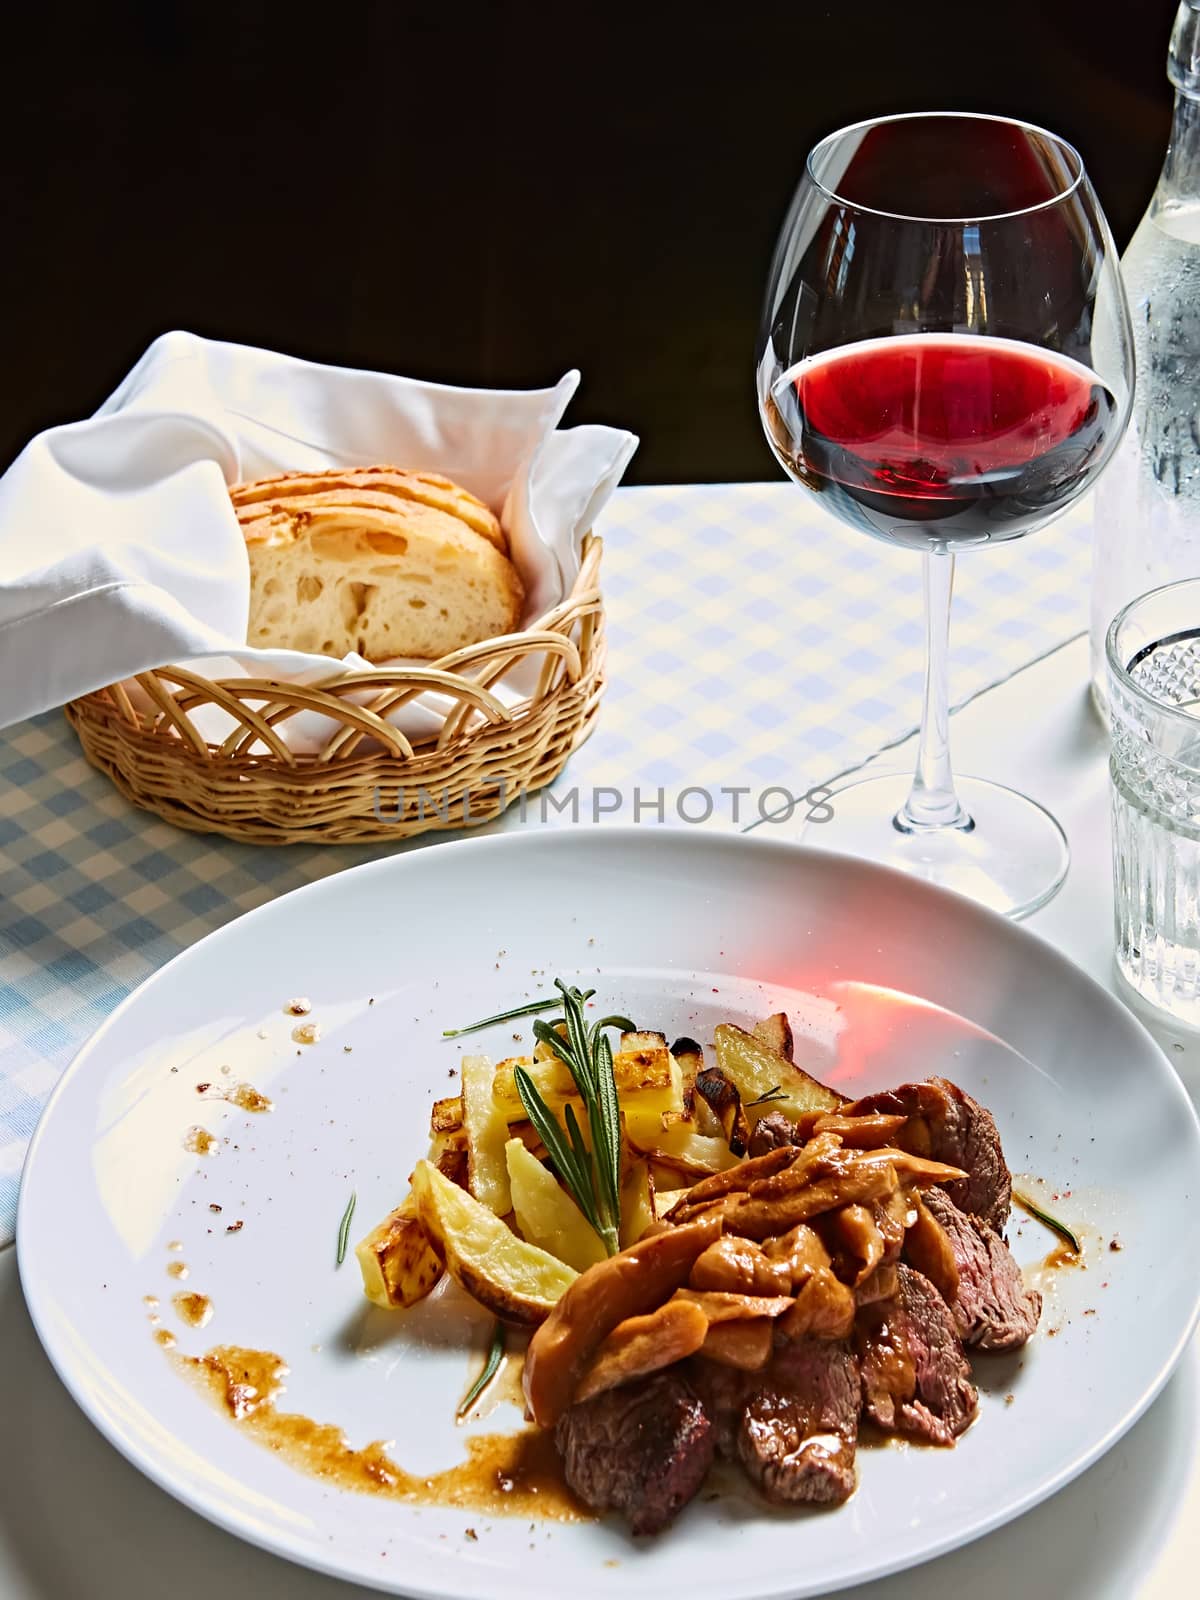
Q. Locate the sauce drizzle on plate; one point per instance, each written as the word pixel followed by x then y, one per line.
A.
pixel 514 1474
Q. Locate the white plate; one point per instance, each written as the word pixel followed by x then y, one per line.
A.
pixel 682 931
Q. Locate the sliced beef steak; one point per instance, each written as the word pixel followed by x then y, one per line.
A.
pixel 797 1435
pixel 992 1309
pixel 724 1393
pixel 947 1125
pixel 643 1449
pixel 792 1426
pixel 915 1378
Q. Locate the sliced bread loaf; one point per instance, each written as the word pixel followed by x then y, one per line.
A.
pixel 376 560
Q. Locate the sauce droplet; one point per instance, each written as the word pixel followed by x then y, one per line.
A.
pixel 165 1337
pixel 150 1300
pixel 1063 1256
pixel 200 1142
pixel 248 1098
pixel 175 1244
pixel 194 1309
pixel 306 1033
pixel 177 1269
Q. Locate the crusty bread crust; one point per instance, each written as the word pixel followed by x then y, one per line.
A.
pixel 376 560
pixel 383 487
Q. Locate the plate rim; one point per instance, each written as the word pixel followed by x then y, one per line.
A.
pixel 217 1512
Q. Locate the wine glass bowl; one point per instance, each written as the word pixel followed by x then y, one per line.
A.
pixel 948 440
pixel 945 359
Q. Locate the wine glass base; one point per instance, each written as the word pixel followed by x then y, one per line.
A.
pixel 1013 859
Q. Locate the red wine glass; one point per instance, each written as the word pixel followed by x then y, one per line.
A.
pixel 945 359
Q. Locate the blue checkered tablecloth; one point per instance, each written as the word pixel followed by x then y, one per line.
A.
pixel 753 643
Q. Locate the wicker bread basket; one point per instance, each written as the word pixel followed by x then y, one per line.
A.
pixel 367 781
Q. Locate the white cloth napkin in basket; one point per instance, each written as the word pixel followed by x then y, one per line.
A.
pixel 120 551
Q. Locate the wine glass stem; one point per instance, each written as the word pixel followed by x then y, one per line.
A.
pixel 932 802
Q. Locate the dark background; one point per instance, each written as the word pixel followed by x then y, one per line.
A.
pixel 492 193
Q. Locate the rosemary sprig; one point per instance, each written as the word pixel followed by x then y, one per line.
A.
pixel 592 1176
pixel 490 1368
pixel 774 1093
pixel 527 1010
pixel 1050 1221
pixel 344 1229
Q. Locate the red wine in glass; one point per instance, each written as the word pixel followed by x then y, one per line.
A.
pixel 944 360
pixel 947 439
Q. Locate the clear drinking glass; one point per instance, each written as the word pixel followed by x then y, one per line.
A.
pixel 1153 652
pixel 945 359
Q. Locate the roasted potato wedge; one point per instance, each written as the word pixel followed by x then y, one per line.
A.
pixel 665 1200
pixel 529 1137
pixel 637 1202
pixel 515 1280
pixel 643 1039
pixel 542 1051
pixel 683 1150
pixel 486 1128
pixel 454 1164
pixel 759 1072
pixel 398 1263
pixel 446 1116
pixel 690 1057
pixel 546 1214
pixel 775 1032
pixel 649 1085
pixel 444 1143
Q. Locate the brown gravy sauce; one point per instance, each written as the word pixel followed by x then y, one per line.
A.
pixel 1063 1256
pixel 194 1309
pixel 244 1095
pixel 504 1474
pixel 248 1098
pixel 200 1142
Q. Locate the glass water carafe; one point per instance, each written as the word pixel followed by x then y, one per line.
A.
pixel 1147 512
